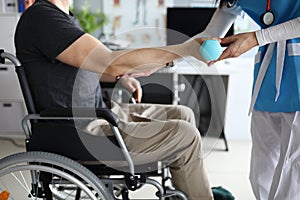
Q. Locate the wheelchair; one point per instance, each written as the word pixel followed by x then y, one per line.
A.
pixel 58 165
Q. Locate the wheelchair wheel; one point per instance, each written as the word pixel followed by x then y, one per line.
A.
pixel 41 175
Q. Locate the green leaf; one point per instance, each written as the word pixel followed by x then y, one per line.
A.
pixel 90 21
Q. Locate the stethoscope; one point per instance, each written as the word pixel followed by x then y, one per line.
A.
pixel 268 17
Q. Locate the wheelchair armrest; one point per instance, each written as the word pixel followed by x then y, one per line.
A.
pixel 100 113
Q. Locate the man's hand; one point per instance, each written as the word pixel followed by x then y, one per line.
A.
pixel 133 85
pixel 237 45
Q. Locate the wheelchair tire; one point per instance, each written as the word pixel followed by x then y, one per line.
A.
pixel 42 175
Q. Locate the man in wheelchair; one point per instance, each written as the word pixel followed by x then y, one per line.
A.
pixel 63 65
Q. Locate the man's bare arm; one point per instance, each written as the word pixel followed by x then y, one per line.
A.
pixel 90 54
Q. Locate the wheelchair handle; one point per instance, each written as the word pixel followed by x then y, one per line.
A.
pixel 11 57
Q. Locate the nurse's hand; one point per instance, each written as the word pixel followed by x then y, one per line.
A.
pixel 237 45
pixel 133 85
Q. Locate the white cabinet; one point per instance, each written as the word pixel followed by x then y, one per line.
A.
pixel 12 107
pixel 9 85
pixel 8 22
pixel 9 17
pixel 11 115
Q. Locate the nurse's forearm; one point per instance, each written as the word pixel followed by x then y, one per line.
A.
pixel 220 22
pixel 283 31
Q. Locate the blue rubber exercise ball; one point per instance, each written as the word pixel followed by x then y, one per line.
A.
pixel 210 50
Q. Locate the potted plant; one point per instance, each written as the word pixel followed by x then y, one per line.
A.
pixel 90 21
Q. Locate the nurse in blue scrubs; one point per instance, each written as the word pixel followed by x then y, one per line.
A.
pixel 275 122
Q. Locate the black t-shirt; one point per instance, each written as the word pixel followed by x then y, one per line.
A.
pixel 42 33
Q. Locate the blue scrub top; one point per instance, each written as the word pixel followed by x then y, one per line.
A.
pixel 289 99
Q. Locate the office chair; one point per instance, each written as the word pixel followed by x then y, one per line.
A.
pixel 58 164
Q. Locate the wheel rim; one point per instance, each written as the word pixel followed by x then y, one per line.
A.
pixel 17 181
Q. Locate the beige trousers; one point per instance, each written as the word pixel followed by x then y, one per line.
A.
pixel 155 132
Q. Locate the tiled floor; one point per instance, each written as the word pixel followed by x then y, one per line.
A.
pixel 231 169
pixel 227 169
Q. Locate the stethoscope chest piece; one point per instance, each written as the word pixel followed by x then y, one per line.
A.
pixel 267 18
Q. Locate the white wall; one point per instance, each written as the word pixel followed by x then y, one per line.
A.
pixel 237 120
pixel 237 125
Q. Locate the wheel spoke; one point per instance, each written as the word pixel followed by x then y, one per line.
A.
pixel 22 175
pixel 17 179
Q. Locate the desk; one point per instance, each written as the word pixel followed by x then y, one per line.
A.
pixel 194 84
pixel 237 78
pixel 191 66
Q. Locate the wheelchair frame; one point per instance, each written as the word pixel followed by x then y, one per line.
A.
pixel 96 186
